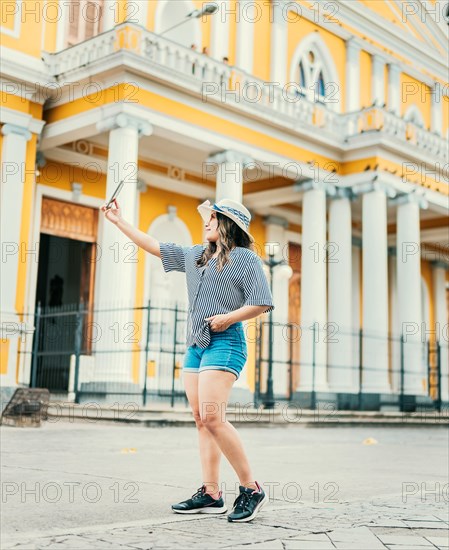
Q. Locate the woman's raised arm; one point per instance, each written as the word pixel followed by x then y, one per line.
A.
pixel 114 215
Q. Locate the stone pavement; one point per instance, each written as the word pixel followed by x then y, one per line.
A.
pixel 84 485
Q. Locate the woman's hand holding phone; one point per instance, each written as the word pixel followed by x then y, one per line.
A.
pixel 114 213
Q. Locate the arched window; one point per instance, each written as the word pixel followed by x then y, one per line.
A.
pixel 314 70
pixel 310 77
pixel 84 20
pixel 168 13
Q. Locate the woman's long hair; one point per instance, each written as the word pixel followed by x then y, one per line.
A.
pixel 230 235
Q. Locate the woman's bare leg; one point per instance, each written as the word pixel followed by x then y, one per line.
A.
pixel 214 387
pixel 210 452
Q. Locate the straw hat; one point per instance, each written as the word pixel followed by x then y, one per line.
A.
pixel 230 208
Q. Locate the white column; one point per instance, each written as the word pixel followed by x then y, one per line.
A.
pixel 409 293
pixel 378 80
pixel 394 88
pixel 375 292
pixel 441 323
pixel 116 267
pixel 220 30
pixel 352 75
pixel 339 318
pixel 229 174
pixel 313 291
pixel 277 240
pixel 278 54
pixel 437 109
pixel 246 17
pixel 356 286
pixel 12 183
pixel 395 325
pixel 110 16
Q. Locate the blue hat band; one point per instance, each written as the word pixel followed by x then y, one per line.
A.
pixel 234 211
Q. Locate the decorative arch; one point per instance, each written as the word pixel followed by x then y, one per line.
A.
pixel 414 115
pixel 313 68
pixel 164 290
pixel 158 284
pixel 168 13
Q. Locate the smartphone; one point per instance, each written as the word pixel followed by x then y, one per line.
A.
pixel 115 195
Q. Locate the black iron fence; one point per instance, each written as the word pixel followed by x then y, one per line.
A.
pixel 136 354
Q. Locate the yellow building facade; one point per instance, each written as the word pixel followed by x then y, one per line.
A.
pixel 329 121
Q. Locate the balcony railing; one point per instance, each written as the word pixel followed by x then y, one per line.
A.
pixel 184 68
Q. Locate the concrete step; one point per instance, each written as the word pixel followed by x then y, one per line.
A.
pixel 283 415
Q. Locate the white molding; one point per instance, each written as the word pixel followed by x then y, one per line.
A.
pixel 10 116
pixel 372 25
pixel 15 33
pixel 22 67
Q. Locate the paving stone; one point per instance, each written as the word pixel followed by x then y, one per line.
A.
pixel 440 542
pixel 426 524
pixel 266 545
pixel 404 540
pixel 308 545
pixel 351 535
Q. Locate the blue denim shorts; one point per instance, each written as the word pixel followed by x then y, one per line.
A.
pixel 227 351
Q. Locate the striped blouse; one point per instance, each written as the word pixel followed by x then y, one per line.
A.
pixel 240 283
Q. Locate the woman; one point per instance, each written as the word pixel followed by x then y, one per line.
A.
pixel 226 285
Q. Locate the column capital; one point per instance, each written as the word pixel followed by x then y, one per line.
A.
pixel 18 130
pixel 229 156
pixel 123 120
pixel 317 185
pixel 275 220
pixel 345 193
pixel 394 68
pixel 416 196
pixel 379 59
pixel 353 45
pixel 374 185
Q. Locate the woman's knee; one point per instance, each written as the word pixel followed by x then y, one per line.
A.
pixel 197 418
pixel 212 415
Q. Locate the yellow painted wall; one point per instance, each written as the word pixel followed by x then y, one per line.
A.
pixel 365 79
pixel 50 26
pixel 23 105
pixel 416 93
pixel 61 176
pixel 30 26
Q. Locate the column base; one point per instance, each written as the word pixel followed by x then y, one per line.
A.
pixel 363 402
pixel 111 392
pixel 307 399
pixel 6 392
